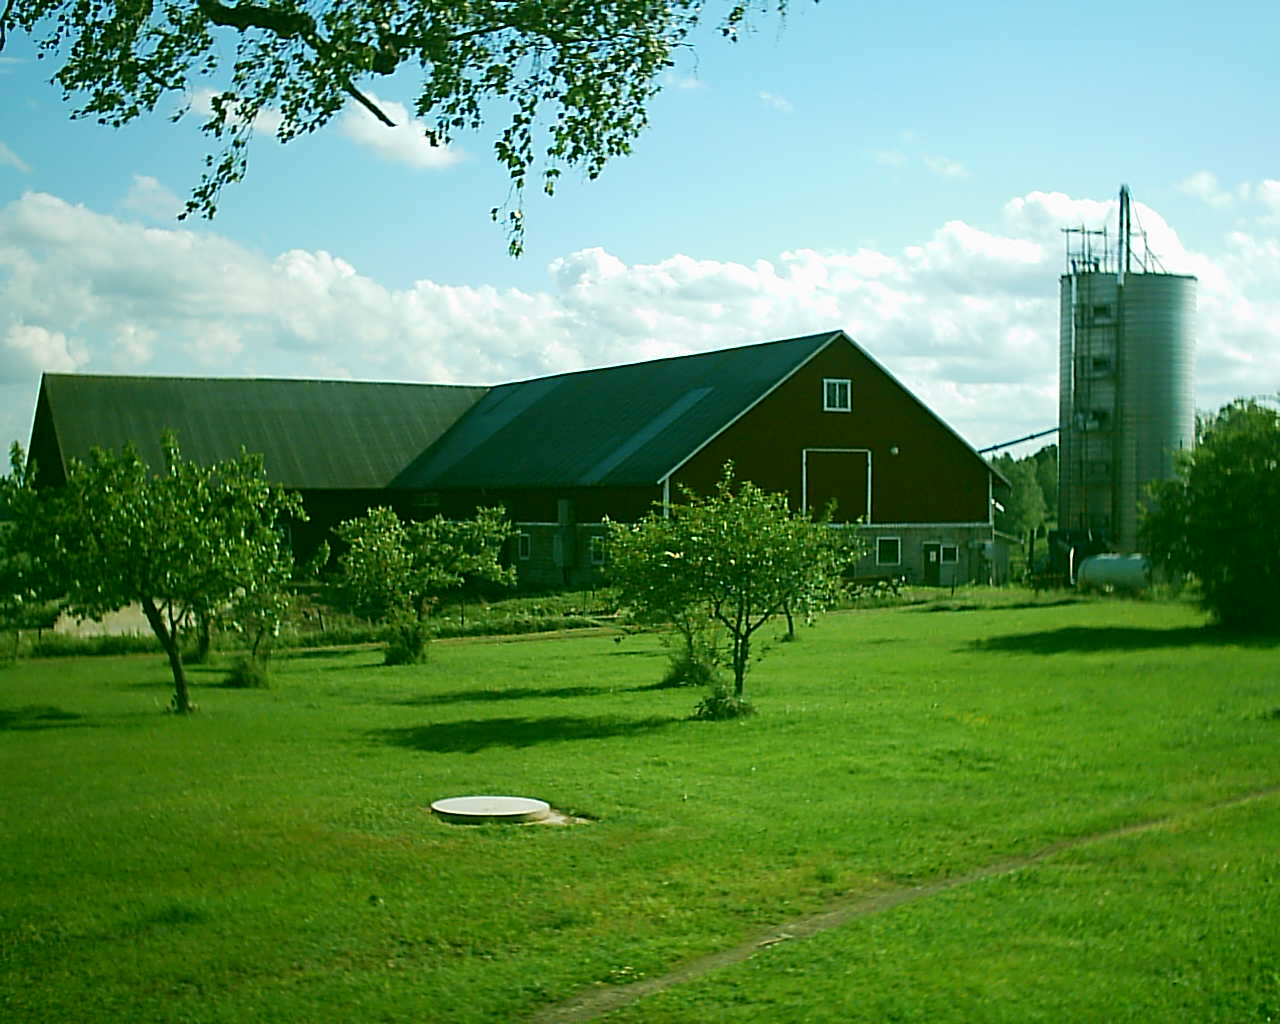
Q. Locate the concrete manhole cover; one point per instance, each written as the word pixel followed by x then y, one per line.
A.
pixel 480 810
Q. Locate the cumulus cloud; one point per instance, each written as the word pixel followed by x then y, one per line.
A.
pixel 889 157
pixel 904 156
pixel 149 199
pixel 406 143
pixel 1268 193
pixel 944 167
pixel 779 103
pixel 29 348
pixel 1204 185
pixel 132 346
pixel 966 317
pixel 8 158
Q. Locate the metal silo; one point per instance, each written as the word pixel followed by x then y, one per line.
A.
pixel 1125 380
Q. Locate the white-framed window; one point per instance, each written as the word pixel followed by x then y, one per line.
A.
pixel 596 548
pixel 888 551
pixel 524 547
pixel 837 394
pixel 950 554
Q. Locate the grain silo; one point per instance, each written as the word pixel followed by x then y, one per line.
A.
pixel 1125 388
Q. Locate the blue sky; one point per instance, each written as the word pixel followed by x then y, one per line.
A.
pixel 899 170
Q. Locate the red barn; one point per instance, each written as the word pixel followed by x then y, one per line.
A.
pixel 814 417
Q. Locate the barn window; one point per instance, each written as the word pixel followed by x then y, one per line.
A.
pixel 888 551
pixel 524 547
pixel 837 394
pixel 596 546
pixel 950 554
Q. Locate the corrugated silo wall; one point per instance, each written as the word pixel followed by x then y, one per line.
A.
pixel 1086 400
pixel 1157 402
pixel 1066 443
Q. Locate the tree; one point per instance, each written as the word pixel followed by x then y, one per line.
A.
pixel 1219 517
pixel 737 557
pixel 395 571
pixel 1024 507
pixel 576 76
pixel 181 543
pixel 23 603
pixel 1046 461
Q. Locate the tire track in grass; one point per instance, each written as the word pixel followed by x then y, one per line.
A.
pixel 598 1001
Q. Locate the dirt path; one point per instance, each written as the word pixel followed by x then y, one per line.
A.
pixel 596 1002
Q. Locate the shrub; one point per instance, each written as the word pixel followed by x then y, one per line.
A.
pixel 248 673
pixel 59 645
pixel 688 666
pixel 720 704
pixel 1216 519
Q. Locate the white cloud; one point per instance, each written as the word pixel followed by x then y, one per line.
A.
pixel 149 199
pixel 267 122
pixel 27 348
pixel 8 158
pixel 133 346
pixel 1204 185
pixel 406 143
pixel 945 167
pixel 1268 193
pixel 967 317
pixel 904 155
pixel 779 103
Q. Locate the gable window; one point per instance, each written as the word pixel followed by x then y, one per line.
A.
pixel 596 546
pixel 524 547
pixel 837 394
pixel 888 551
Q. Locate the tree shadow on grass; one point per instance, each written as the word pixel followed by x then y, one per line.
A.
pixel 507 693
pixel 337 651
pixel 39 716
pixel 943 605
pixel 474 735
pixel 1081 639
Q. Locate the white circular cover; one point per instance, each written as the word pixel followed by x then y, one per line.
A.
pixel 480 809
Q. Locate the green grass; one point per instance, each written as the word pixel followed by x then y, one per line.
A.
pixel 272 858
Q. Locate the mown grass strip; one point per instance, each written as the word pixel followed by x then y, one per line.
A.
pixel 600 1002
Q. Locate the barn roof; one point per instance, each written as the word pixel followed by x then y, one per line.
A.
pixel 614 426
pixel 619 425
pixel 313 434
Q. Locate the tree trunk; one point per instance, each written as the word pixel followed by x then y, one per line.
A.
pixel 169 641
pixel 741 647
pixel 203 639
pixel 791 624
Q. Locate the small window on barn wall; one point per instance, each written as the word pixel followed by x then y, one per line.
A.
pixel 950 554
pixel 596 548
pixel 888 551
pixel 837 394
pixel 524 547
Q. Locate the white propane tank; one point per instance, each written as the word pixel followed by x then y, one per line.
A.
pixel 1114 572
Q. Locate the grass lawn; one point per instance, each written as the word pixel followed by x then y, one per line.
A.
pixel 272 858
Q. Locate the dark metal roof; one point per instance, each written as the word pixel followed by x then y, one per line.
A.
pixel 313 434
pixel 620 425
